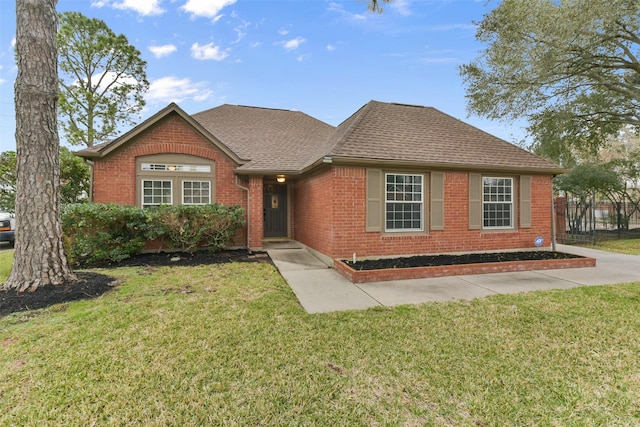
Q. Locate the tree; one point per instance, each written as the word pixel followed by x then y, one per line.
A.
pixel 39 257
pixel 75 179
pixel 102 81
pixel 374 5
pixel 8 181
pixel 570 67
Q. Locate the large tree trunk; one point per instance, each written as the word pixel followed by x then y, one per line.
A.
pixel 39 258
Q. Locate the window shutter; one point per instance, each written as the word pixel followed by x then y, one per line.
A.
pixel 525 201
pixel 475 201
pixel 374 200
pixel 437 200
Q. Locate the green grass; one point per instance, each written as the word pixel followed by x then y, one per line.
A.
pixel 230 345
pixel 624 246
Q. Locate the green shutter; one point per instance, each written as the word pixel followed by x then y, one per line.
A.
pixel 475 201
pixel 525 202
pixel 374 200
pixel 437 201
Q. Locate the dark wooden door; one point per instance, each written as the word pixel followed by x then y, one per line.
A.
pixel 275 210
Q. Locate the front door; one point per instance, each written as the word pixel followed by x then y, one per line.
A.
pixel 275 210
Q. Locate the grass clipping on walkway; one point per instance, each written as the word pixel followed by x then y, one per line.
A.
pixel 229 345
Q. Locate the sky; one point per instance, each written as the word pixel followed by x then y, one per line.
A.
pixel 326 58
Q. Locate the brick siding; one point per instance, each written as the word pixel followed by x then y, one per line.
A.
pixel 330 217
pixel 114 177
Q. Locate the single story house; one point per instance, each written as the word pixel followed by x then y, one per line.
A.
pixel 391 179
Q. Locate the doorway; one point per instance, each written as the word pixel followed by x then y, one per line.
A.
pixel 275 210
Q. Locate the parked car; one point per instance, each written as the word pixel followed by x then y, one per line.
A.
pixel 7 228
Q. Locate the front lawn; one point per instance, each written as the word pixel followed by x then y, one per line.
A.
pixel 229 344
pixel 623 246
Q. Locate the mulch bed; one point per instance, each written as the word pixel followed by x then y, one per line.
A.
pixel 92 285
pixel 472 258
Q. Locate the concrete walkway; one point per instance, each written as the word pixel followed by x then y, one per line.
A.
pixel 320 289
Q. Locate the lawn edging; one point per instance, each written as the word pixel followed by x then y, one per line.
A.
pixel 366 276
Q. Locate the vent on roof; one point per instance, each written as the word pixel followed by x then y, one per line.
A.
pixel 262 108
pixel 408 105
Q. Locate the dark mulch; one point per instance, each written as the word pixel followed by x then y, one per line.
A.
pixel 473 258
pixel 92 285
pixel 89 285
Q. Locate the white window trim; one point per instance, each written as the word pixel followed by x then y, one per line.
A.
pixel 192 181
pixel 421 203
pixel 146 205
pixel 511 202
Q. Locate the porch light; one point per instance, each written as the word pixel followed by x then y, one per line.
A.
pixel 281 178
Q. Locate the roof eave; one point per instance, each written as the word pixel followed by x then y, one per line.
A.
pixel 436 165
pixel 139 129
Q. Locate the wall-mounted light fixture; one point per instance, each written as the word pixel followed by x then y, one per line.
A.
pixel 281 178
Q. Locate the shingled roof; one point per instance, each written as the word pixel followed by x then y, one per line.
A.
pixel 273 140
pixel 264 140
pixel 413 134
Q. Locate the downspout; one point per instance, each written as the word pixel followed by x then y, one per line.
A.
pixel 553 218
pixel 90 163
pixel 248 208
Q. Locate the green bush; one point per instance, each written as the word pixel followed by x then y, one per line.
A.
pixel 96 232
pixel 191 227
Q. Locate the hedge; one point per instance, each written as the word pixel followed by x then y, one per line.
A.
pixel 97 232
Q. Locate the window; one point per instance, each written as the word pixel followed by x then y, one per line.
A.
pixel 156 193
pixel 403 202
pixel 497 202
pixel 175 179
pixel 196 192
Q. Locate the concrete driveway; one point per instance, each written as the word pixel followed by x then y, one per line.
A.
pixel 320 289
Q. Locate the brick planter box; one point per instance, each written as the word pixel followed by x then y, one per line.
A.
pixel 365 276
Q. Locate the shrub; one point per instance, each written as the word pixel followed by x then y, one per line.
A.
pixel 191 227
pixel 97 232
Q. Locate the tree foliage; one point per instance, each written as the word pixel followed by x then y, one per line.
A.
pixel 374 5
pixel 570 67
pixel 102 80
pixel 75 179
pixel 8 181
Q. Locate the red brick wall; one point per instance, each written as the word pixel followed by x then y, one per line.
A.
pixel 338 228
pixel 313 211
pixel 256 228
pixel 114 177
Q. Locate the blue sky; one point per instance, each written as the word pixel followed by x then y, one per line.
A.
pixel 325 58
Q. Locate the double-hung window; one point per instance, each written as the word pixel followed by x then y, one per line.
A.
pixel 174 179
pixel 404 202
pixel 196 192
pixel 497 203
pixel 156 193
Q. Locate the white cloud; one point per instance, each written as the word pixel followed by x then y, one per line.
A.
pixel 283 31
pixel 401 7
pixel 241 30
pixel 164 50
pixel 205 8
pixel 172 89
pixel 208 51
pixel 438 60
pixel 2 81
pixel 13 43
pixel 354 17
pixel 450 27
pixel 292 44
pixel 143 7
pixel 331 47
pixel 302 57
